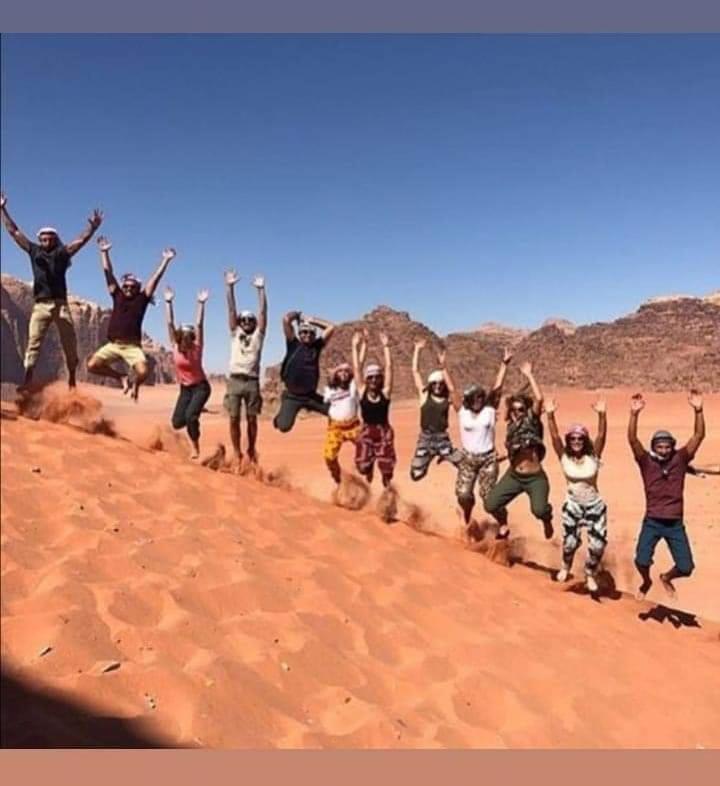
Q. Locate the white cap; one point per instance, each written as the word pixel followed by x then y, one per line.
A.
pixel 246 315
pixel 372 369
pixel 47 231
pixel 307 326
pixel 436 376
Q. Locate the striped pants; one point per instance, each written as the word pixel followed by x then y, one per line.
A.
pixel 592 515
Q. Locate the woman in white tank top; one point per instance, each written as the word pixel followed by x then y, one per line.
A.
pixel 583 507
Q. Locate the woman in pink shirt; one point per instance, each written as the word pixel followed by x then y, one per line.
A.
pixel 187 343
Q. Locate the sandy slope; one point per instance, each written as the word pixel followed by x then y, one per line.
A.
pixel 234 614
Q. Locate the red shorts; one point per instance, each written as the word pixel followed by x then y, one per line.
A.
pixel 376 444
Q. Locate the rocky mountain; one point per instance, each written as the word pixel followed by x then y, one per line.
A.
pixel 667 344
pixel 91 321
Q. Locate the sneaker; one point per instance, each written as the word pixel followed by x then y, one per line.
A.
pixel 591 584
pixel 562 575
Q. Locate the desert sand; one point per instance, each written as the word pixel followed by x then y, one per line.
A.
pixel 150 601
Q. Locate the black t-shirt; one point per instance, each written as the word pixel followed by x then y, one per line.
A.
pixel 301 366
pixel 49 269
pixel 127 317
pixel 375 413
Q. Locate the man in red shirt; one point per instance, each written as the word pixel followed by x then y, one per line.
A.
pixel 663 469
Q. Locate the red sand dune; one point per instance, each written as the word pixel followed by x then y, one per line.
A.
pixel 209 609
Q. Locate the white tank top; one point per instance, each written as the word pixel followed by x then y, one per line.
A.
pixel 581 477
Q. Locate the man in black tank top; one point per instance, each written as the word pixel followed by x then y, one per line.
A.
pixel 376 443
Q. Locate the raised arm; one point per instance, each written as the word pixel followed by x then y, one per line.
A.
pixel 169 314
pixel 601 408
pixel 288 319
pixel 105 245
pixel 419 345
pixel 231 278
pixel 387 390
pixel 93 223
pixel 637 403
pixel 259 284
pixel 364 347
pixel 455 397
pixel 496 389
pixel 328 328
pixel 557 443
pixel 357 374
pixel 168 255
pixel 526 371
pixel 696 402
pixel 710 469
pixel 202 297
pixel 15 233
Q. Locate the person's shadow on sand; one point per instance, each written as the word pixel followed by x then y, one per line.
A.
pixel 677 618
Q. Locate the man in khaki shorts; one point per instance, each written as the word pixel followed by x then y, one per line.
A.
pixel 247 333
pixel 130 302
pixel 50 260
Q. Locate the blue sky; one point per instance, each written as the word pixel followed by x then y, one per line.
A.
pixel 460 178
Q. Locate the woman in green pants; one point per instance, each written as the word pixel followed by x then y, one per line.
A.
pixel 525 450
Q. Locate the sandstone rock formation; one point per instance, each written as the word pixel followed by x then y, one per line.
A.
pixel 667 344
pixel 91 321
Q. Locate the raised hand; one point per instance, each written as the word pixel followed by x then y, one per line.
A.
pixel 103 243
pixel 526 368
pixel 168 254
pixel 442 358
pixel 637 403
pixel 3 200
pixel 356 338
pixel 384 340
pixel 258 282
pixel 550 406
pixel 168 294
pixel 96 219
pixel 203 295
pixel 420 343
pixel 695 400
pixel 366 335
pixel 600 406
pixel 507 355
pixel 231 277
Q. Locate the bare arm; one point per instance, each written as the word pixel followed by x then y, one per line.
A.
pixel 601 437
pixel 711 469
pixel 636 405
pixel 259 284
pixel 202 297
pixel 526 371
pixel 698 436
pixel 364 347
pixel 356 342
pixel 288 320
pixel 167 257
pixel 328 328
pixel 416 367
pixel 169 314
pixel 496 389
pixel 105 245
pixel 557 443
pixel 387 390
pixel 13 230
pixel 93 223
pixel 455 398
pixel 231 278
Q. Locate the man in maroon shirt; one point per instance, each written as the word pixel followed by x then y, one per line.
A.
pixel 124 336
pixel 663 469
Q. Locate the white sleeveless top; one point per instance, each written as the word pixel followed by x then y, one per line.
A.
pixel 581 477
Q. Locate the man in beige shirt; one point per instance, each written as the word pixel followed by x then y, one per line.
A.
pixel 247 333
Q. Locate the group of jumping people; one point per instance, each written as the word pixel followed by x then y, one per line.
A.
pixel 356 401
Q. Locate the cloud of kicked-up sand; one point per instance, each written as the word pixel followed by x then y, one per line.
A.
pixel 352 493
pixel 57 404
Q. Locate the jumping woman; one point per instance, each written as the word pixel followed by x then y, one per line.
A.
pixel 434 440
pixel 376 443
pixel 341 396
pixel 525 449
pixel 583 507
pixel 479 462
pixel 187 344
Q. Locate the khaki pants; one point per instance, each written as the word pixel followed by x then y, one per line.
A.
pixel 43 314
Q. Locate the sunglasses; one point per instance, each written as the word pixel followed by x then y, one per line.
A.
pixel 576 439
pixel 374 376
pixel 518 409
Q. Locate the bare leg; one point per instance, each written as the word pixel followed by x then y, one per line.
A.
pixel 235 440
pixel 252 431
pixel 334 467
pixel 141 372
pixel 102 369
